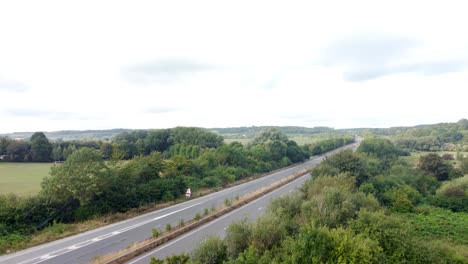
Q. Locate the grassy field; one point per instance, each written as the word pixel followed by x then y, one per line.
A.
pixel 414 158
pixel 22 178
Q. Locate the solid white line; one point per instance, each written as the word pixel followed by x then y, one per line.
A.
pixel 96 239
pixel 212 222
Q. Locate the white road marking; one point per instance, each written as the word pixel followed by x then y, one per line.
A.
pixel 96 239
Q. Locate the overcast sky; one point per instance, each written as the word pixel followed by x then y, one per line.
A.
pixel 157 64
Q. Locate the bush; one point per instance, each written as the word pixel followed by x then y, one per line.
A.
pixel 452 195
pixel 268 232
pixel 435 165
pixel 238 236
pixel 447 156
pixel 454 188
pixel 403 198
pixel 197 216
pixel 345 161
pixel 210 251
pixel 155 232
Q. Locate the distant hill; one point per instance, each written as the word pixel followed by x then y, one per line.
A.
pixel 231 132
pixel 250 132
pixel 72 134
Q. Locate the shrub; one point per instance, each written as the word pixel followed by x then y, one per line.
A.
pixel 210 251
pixel 155 232
pixel 456 188
pixel 181 222
pixel 268 232
pixel 453 195
pixel 197 216
pixel 447 156
pixel 168 227
pixel 238 236
pixel 403 198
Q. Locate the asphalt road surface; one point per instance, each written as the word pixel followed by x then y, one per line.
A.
pixel 187 242
pixel 84 247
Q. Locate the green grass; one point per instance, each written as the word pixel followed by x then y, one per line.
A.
pixel 442 228
pixel 414 158
pixel 22 178
pixel 440 224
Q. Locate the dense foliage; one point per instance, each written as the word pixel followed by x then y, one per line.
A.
pixel 360 207
pixel 326 145
pixel 446 136
pixel 160 165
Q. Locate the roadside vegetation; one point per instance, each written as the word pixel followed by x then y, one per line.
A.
pixel 135 170
pixel 369 206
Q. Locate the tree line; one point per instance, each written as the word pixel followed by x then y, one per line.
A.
pixel 138 168
pixel 368 206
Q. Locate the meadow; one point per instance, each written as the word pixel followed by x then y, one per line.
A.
pixel 414 158
pixel 22 178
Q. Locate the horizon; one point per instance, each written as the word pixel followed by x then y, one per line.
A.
pixel 184 63
pixel 213 128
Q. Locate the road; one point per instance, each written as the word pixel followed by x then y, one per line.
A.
pixel 84 247
pixel 189 241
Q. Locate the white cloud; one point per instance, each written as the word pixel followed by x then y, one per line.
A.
pixel 147 64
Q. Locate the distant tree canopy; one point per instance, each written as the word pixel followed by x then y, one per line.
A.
pixel 41 148
pixel 18 151
pixel 435 165
pixel 445 136
pixel 141 142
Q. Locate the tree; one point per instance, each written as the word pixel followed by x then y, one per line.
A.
pixel 18 151
pixel 106 150
pixel 344 161
pixel 82 176
pixel 57 153
pixel 4 141
pixel 68 151
pixel 211 251
pixel 195 136
pixel 41 149
pixel 295 153
pixel 271 134
pixel 435 165
pixel 238 235
pixel 268 232
pixel 158 140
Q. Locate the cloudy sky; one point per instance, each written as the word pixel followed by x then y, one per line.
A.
pixel 157 64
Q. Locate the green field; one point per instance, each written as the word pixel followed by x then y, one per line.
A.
pixel 414 158
pixel 22 178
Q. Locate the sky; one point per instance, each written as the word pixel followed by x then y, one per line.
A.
pixel 78 65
